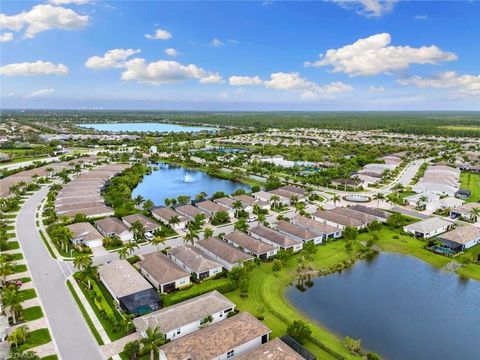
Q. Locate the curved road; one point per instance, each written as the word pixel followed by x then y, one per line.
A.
pixel 70 332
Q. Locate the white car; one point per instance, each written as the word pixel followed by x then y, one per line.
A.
pixel 148 236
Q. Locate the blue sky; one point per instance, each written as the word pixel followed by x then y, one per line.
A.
pixel 267 55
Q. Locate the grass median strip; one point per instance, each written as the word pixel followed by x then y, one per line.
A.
pixel 85 314
pixel 32 313
pixel 47 244
pixel 36 338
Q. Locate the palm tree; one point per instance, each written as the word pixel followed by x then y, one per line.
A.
pixel 201 196
pixel 378 196
pixel 208 232
pixel 138 201
pixel 130 247
pixel 12 300
pixel 293 199
pixel 138 230
pixel 123 253
pixel 274 199
pixel 148 205
pixel 241 225
pixel 153 339
pixel 299 207
pixel 475 213
pixel 237 205
pixel 82 261
pixel 190 237
pixel 261 219
pixel 174 220
pixel 336 198
pixel 18 336
pixel 6 268
pixel 398 188
pixel 158 240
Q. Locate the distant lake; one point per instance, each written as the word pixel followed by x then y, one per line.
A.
pixel 146 127
pixel 401 308
pixel 171 181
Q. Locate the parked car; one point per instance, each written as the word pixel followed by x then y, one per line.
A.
pixel 148 236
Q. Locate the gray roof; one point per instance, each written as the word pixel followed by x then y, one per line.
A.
pixel 361 216
pixel 462 234
pixel 184 313
pixel 84 231
pixel 190 211
pixel 428 225
pixel 111 225
pixel 210 206
pixel 296 230
pixel 161 268
pixel 337 218
pixel 250 243
pixel 223 250
pixel 313 224
pixel 274 236
pixel 167 213
pixel 147 223
pixel 194 259
pixel 379 213
pixel 122 278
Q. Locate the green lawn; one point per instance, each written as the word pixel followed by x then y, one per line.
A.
pixel 195 290
pixel 471 181
pixel 36 338
pixel 84 313
pixel 32 313
pixel 27 294
pixel 50 357
pixel 20 268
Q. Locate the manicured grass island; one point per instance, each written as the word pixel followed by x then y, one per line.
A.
pixel 471 181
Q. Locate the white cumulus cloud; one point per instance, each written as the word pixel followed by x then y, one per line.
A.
pixel 171 52
pixel 7 36
pixel 33 68
pixel 165 72
pixel 67 2
pixel 160 34
pixel 368 8
pixel 292 81
pixel 44 17
pixel 464 84
pixel 42 92
pixel 216 42
pixel 374 55
pixel 112 59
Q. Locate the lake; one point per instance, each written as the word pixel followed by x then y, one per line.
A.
pixel 401 308
pixel 146 127
pixel 171 181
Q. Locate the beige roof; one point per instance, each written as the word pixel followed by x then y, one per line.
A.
pixel 111 225
pixel 122 278
pixel 250 243
pixel 194 259
pixel 275 349
pixel 462 234
pixel 362 216
pixel 293 189
pixel 223 250
pixel 225 201
pixel 337 218
pixel 85 231
pixel 216 339
pixel 296 230
pixel 211 207
pixel 466 208
pixel 274 236
pixel 190 210
pixel 161 268
pixel 184 313
pixel 285 193
pixel 428 225
pixel 313 224
pixel 245 199
pixel 147 223
pixel 167 213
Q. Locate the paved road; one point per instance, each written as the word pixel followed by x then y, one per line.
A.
pixel 70 332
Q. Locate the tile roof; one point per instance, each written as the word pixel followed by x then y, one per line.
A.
pixel 194 259
pixel 147 223
pixel 111 225
pixel 428 225
pixel 274 349
pixel 337 218
pixel 250 243
pixel 274 236
pixel 161 268
pixel 313 224
pixel 296 230
pixel 223 250
pixel 184 313
pixel 122 278
pixel 216 339
pixel 85 231
pixel 462 234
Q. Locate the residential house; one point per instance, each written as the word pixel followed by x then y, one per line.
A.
pixel 149 225
pixel 337 220
pixel 250 245
pixel 267 198
pixel 112 227
pixel 275 349
pixel 223 340
pixel 327 231
pixel 443 204
pixel 380 215
pixel 288 194
pixel 133 293
pixel 428 228
pixel 461 238
pixel 465 211
pixel 189 211
pixel 187 316
pixel 275 238
pixel 163 273
pixel 365 218
pixel 298 232
pixel 249 202
pixel 212 208
pixel 165 214
pixel 195 262
pixel 294 189
pixel 227 255
pixel 421 199
pixel 85 234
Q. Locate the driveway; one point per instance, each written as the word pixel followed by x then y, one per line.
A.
pixel 69 330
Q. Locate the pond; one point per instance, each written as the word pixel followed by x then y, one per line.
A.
pixel 146 127
pixel 401 308
pixel 170 181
